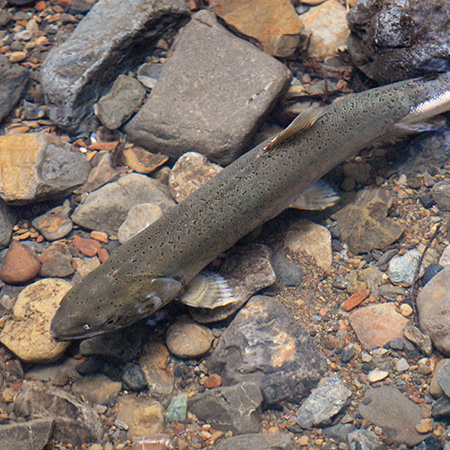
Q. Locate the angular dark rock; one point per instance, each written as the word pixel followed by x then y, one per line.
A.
pixel 14 79
pixel 227 86
pixel 76 73
pixel 392 40
pixel 265 345
pixel 260 441
pixel 232 408
pixel 74 422
pixel 31 435
pixel 7 221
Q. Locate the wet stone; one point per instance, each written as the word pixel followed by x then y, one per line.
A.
pixel 54 224
pixel 443 377
pixel 20 264
pixel 116 107
pixel 388 408
pixel 190 172
pixel 14 78
pixel 42 156
pixel 258 441
pixel 7 221
pixel 28 333
pixel 149 73
pixel 177 410
pixel 209 57
pixel 363 440
pixel 88 247
pixel 441 408
pixel 277 29
pixel 364 225
pixel 133 377
pixel 376 325
pixel 311 238
pixel 323 403
pixel 235 408
pixel 56 262
pixel 287 272
pixel 74 422
pixel 393 41
pixel 99 175
pixel 433 303
pixel 265 345
pixel 79 70
pixel 97 389
pixel 138 217
pixel 402 268
pixel 142 161
pixel 421 340
pixel 441 195
pixel 107 208
pixel 187 339
pixel 30 435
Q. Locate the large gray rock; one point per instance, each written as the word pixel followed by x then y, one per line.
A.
pixel 388 408
pixel 31 435
pixel 260 441
pixel 14 79
pixel 232 408
pixel 264 344
pixel 433 304
pixel 210 96
pixel 107 208
pixel 74 422
pixel 114 35
pixel 393 40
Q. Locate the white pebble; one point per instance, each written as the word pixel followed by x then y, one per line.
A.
pixel 377 375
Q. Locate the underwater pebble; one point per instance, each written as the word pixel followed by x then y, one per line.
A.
pixel 20 264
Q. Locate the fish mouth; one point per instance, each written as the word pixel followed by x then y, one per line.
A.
pixel 72 337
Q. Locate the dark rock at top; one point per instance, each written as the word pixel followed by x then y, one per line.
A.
pixel 265 345
pixel 210 96
pixel 114 36
pixel 392 40
pixel 13 82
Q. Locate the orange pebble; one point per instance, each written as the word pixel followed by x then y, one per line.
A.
pixel 40 6
pixel 213 381
pixel 103 255
pixel 108 146
pixel 88 247
pixel 357 298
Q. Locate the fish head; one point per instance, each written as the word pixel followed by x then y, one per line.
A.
pixel 98 304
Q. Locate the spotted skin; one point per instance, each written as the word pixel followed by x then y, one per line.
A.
pixel 151 269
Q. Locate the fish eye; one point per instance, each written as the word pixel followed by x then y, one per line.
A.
pixel 110 321
pixel 86 326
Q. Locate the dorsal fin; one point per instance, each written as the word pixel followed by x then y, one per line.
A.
pixel 302 122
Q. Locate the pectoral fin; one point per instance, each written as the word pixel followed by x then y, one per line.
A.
pixel 301 123
pixel 207 290
pixel 315 197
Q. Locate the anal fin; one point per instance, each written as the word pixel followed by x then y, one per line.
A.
pixel 318 196
pixel 302 122
pixel 207 290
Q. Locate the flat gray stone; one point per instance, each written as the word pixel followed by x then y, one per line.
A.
pixel 264 344
pixel 441 195
pixel 77 72
pixel 107 208
pixel 120 103
pixel 323 403
pixel 31 435
pixel 398 416
pixel 260 441
pixel 443 377
pixel 433 304
pixel 14 80
pixel 234 408
pixel 210 96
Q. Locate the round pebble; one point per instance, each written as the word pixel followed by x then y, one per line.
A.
pixel 377 375
pixel 402 365
pixel 20 264
pixel 406 309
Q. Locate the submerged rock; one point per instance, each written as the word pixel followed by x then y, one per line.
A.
pixel 53 167
pixel 77 72
pixel 392 40
pixel 30 435
pixel 265 345
pixel 199 115
pixel 258 441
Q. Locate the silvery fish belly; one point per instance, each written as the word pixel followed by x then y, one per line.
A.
pixel 157 265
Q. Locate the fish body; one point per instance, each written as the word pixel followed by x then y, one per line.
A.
pixel 155 266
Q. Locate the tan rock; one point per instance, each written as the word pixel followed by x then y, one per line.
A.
pixel 273 23
pixel 187 339
pixel 142 161
pixel 20 264
pixel 154 364
pixel 376 325
pixel 97 389
pixel 313 239
pixel 326 28
pixel 142 416
pixel 435 388
pixel 27 334
pixel 34 166
pixel 189 172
